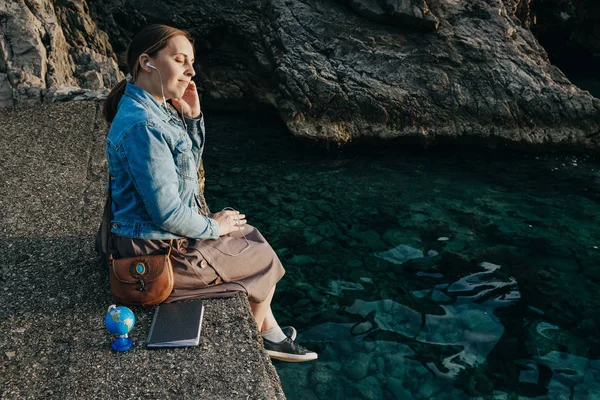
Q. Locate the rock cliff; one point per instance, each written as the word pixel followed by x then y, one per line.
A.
pixel 50 49
pixel 340 70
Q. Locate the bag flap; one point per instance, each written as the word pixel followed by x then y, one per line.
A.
pixel 145 268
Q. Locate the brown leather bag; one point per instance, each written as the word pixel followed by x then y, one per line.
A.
pixel 137 281
pixel 143 280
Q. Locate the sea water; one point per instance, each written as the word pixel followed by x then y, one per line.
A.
pixel 447 273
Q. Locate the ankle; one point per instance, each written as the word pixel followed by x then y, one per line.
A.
pixel 275 334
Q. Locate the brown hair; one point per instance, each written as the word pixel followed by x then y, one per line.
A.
pixel 149 40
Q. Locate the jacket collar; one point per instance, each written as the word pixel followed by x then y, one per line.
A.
pixel 140 95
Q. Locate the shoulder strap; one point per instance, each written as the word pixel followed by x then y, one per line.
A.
pixel 108 225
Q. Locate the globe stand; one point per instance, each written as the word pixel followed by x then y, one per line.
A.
pixel 122 343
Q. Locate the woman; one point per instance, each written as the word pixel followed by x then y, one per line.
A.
pixel 153 150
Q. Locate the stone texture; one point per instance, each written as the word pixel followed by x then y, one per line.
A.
pixel 426 71
pixel 335 73
pixel 48 45
pixel 414 14
pixel 55 296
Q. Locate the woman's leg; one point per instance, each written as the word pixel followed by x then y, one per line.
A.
pixel 262 313
pixel 277 345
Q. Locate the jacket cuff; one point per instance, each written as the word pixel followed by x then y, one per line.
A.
pixel 196 119
pixel 213 227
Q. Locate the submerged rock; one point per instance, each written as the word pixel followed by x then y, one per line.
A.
pixel 439 296
pixel 545 326
pixel 311 238
pixel 337 287
pixel 301 259
pixel 398 390
pixel 370 388
pixel 432 253
pixel 400 254
pixel 387 315
pixel 357 367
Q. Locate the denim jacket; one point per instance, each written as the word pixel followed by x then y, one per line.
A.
pixel 153 160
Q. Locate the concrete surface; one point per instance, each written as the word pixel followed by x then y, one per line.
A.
pixel 54 296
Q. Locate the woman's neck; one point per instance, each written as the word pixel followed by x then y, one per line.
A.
pixel 144 83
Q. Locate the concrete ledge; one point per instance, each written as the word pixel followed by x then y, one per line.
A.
pixel 54 296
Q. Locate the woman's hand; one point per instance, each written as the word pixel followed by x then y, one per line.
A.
pixel 189 103
pixel 229 221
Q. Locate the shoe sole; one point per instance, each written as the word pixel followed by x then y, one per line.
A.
pixel 276 355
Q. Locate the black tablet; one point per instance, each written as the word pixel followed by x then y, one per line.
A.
pixel 176 324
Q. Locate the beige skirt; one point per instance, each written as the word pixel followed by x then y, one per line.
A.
pixel 212 268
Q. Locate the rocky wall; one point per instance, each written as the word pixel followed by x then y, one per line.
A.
pixel 335 70
pixel 49 49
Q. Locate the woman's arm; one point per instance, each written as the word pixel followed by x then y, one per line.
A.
pixel 195 130
pixel 148 160
pixel 189 107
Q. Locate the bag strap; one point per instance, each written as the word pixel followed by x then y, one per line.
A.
pixel 107 227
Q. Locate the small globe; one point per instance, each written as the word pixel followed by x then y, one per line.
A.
pixel 119 320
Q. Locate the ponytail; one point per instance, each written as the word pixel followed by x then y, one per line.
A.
pixel 112 101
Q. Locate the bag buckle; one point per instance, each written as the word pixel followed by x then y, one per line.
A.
pixel 141 285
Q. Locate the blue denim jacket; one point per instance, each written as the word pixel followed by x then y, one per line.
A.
pixel 154 161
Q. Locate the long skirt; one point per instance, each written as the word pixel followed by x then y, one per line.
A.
pixel 214 268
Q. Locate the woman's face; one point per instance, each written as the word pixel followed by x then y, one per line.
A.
pixel 175 63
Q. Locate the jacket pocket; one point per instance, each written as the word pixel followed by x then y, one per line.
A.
pixel 184 159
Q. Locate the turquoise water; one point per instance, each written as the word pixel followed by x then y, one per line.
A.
pixel 440 274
